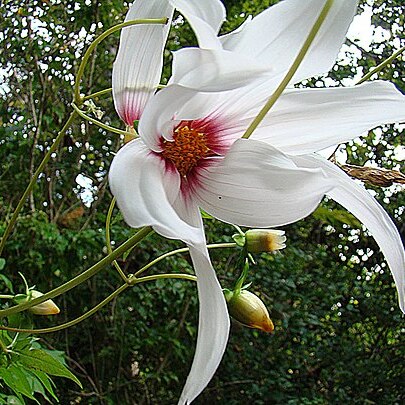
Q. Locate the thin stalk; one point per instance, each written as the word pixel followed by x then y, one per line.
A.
pixel 103 303
pixel 73 321
pixel 134 240
pixel 3 347
pixel 182 250
pixel 98 123
pixel 163 276
pixel 381 65
pixel 97 94
pixel 108 239
pixel 303 51
pixel 6 296
pixel 33 180
pixel 78 100
pixel 109 90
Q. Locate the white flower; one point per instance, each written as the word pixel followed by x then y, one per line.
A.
pixel 190 154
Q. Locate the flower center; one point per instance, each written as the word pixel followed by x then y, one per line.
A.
pixel 188 147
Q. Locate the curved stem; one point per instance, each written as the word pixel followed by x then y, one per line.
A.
pixel 108 239
pixel 74 321
pixel 32 182
pixel 183 276
pixel 99 123
pixel 381 65
pixel 102 303
pixel 182 250
pixel 78 100
pixel 134 240
pixel 287 78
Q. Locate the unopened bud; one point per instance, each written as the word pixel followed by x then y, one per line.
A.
pixel 264 240
pixel 248 309
pixel 47 307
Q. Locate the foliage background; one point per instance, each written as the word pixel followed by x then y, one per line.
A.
pixel 339 334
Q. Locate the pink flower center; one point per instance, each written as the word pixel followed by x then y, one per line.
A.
pixel 188 147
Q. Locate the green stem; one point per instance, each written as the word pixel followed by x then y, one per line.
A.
pixel 108 239
pixel 134 240
pixel 99 123
pixel 103 303
pixel 6 296
pixel 381 65
pixel 183 276
pixel 109 90
pixel 97 94
pixel 241 280
pixel 3 347
pixel 74 321
pixel 31 184
pixel 182 250
pixel 78 100
pixel 286 80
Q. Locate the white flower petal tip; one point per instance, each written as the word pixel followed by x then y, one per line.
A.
pixel 205 17
pixel 137 68
pixel 276 35
pixel 307 120
pixel 361 204
pixel 213 329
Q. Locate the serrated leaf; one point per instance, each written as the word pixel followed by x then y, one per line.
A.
pixel 40 360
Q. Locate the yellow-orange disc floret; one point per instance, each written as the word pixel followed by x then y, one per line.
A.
pixel 187 148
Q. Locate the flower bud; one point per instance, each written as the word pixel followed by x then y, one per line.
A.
pixel 264 240
pixel 248 309
pixel 47 307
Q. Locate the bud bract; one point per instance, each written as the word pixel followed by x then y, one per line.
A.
pixel 47 307
pixel 248 309
pixel 264 240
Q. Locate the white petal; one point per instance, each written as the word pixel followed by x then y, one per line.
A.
pixel 145 192
pixel 257 186
pixel 307 120
pixel 213 328
pixel 276 35
pixel 360 203
pixel 214 70
pixel 138 66
pixel 205 17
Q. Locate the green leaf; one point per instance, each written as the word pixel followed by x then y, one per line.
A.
pixel 205 215
pixel 15 378
pixel 334 216
pixel 46 382
pixel 36 384
pixel 7 282
pixel 2 263
pixel 40 360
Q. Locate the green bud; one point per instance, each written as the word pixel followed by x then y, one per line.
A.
pixel 248 309
pixel 264 240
